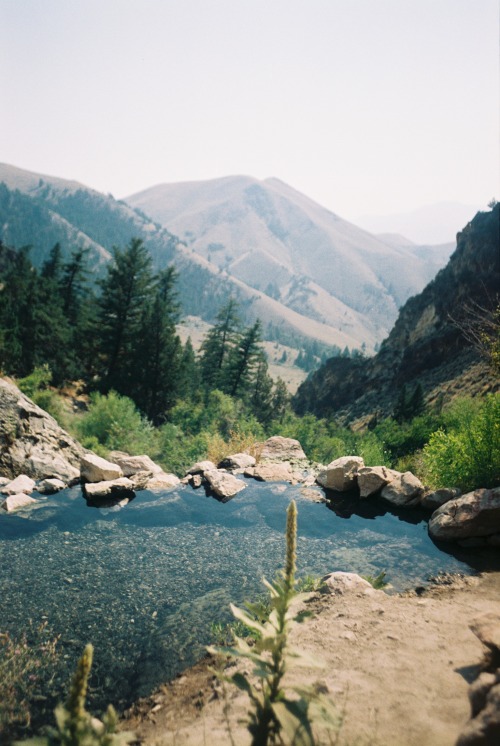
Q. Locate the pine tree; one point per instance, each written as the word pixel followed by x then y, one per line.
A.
pixel 125 295
pixel 261 400
pixel 159 355
pixel 244 360
pixel 218 345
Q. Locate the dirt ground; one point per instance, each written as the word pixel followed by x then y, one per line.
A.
pixel 397 666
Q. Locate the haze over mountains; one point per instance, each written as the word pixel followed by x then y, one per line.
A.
pixel 289 261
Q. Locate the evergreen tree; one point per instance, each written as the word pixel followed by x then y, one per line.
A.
pixel 281 399
pixel 126 292
pixel 159 355
pixel 244 359
pixel 218 345
pixel 261 400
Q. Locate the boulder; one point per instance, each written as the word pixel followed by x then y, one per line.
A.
pixel 49 486
pixel 434 500
pixel 31 441
pixel 340 583
pixel 133 464
pixel 108 487
pixel 341 475
pixel 93 468
pixel 16 502
pixel 474 514
pixel 271 472
pixel 278 448
pixel 201 467
pixel 22 483
pixel 403 490
pixel 162 481
pixel 223 484
pixel 371 479
pixel 237 461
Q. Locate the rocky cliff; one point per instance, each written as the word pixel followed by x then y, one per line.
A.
pixel 31 441
pixel 426 344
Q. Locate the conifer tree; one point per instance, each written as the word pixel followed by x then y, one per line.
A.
pixel 125 295
pixel 218 345
pixel 244 361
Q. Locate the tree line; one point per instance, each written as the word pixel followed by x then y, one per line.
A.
pixel 119 334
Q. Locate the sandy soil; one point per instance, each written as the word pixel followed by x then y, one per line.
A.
pixel 397 666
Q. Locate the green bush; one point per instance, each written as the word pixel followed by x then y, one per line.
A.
pixel 467 453
pixel 37 380
pixel 116 424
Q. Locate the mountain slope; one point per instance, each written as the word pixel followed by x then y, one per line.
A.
pixel 278 241
pixel 425 345
pixel 41 210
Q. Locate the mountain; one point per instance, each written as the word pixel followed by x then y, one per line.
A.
pixel 428 225
pixel 298 267
pixel 426 344
pixel 281 243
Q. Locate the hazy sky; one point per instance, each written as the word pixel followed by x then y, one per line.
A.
pixel 367 106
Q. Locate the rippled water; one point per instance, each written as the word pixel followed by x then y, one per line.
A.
pixel 144 582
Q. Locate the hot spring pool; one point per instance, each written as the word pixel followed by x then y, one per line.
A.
pixel 144 582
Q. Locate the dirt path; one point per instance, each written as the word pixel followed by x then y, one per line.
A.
pixel 398 667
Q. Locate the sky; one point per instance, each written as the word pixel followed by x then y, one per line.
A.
pixel 368 107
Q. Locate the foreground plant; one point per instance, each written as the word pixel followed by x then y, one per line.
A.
pixel 74 725
pixel 275 715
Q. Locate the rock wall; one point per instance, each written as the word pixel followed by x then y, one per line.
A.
pixel 31 441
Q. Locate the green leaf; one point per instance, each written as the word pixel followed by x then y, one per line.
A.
pixel 294 720
pixel 246 619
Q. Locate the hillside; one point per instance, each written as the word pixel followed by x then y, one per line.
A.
pixel 282 244
pixel 425 345
pixel 40 210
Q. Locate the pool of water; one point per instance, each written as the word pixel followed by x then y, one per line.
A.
pixel 145 581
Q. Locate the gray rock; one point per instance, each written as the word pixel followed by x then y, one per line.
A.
pixel 340 583
pixel 403 490
pixel 272 472
pixel 474 514
pixel 31 441
pixel 108 487
pixel 140 479
pixel 22 483
pixel 434 500
pixel 93 468
pixel 201 467
pixel 371 479
pixel 16 502
pixel 278 448
pixel 49 486
pixel 341 475
pixel 237 461
pixel 223 484
pixel 133 464
pixel 162 481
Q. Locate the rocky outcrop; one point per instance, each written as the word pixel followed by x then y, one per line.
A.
pixel 162 481
pixel 237 462
pixel 271 472
pixel 31 441
pixel 425 345
pixel 476 514
pixel 372 479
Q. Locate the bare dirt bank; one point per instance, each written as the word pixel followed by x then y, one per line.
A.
pixel 398 667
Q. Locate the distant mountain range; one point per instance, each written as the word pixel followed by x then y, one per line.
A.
pixel 428 225
pixel 300 268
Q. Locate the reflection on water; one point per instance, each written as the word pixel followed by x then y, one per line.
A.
pixel 143 582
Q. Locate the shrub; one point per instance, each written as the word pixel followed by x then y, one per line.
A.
pixel 25 665
pixel 116 424
pixel 467 454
